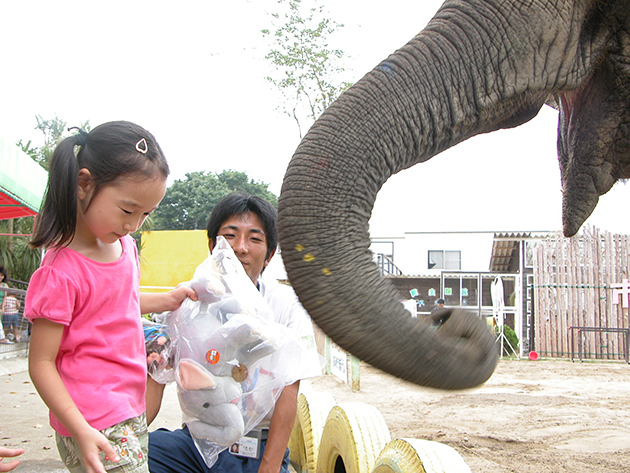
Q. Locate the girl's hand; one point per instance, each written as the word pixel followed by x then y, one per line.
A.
pixel 181 292
pixel 91 443
pixel 161 302
pixel 9 453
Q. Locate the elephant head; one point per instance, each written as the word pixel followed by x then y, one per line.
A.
pixel 478 66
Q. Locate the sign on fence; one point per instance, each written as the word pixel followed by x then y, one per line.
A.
pixel 342 364
pixel 338 362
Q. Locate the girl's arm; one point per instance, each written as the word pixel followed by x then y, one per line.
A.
pixel 160 302
pixel 45 341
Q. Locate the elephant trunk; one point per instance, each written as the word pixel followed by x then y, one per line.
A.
pixel 454 80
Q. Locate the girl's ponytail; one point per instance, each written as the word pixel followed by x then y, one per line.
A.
pixel 57 219
pixel 109 151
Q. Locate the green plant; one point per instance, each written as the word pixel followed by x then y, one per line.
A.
pixel 510 344
pixel 306 70
pixel 16 255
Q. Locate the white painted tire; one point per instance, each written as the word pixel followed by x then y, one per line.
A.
pixel 419 456
pixel 312 411
pixel 354 435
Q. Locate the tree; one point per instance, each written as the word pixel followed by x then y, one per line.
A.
pixel 188 202
pixel 305 66
pixel 54 131
pixel 16 255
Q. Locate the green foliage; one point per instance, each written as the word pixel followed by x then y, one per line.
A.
pixel 188 202
pixel 511 337
pixel 305 65
pixel 54 130
pixel 20 260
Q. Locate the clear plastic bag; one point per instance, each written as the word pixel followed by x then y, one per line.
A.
pixel 229 361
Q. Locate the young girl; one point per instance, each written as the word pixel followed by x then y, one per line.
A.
pixel 87 356
pixel 11 316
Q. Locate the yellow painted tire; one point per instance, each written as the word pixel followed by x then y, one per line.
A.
pixel 419 456
pixel 312 411
pixel 354 435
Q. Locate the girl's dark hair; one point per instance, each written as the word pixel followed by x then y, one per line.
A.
pixel 3 271
pixel 238 204
pixel 109 151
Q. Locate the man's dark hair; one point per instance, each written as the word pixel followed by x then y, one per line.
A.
pixel 238 204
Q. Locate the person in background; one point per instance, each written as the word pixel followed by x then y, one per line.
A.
pixel 439 305
pixel 87 353
pixel 3 283
pixel 9 453
pixel 248 223
pixel 10 317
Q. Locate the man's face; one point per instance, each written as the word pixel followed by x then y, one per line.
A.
pixel 246 236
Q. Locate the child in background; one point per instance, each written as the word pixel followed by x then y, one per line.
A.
pixel 10 317
pixel 3 284
pixel 87 354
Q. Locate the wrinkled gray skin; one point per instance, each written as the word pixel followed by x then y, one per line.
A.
pixel 478 66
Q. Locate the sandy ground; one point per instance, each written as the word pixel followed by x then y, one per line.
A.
pixel 540 416
pixel 531 416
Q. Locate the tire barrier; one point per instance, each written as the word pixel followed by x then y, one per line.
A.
pixel 353 437
pixel 419 456
pixel 312 411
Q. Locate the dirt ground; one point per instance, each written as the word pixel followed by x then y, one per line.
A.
pixel 532 416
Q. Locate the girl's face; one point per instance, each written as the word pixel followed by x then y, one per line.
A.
pixel 119 208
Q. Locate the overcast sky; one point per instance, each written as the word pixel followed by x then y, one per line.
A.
pixel 192 73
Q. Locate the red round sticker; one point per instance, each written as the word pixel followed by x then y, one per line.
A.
pixel 212 356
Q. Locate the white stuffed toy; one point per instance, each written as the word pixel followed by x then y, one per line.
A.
pixel 210 389
pixel 229 361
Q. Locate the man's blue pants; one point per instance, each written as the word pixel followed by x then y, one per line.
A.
pixel 175 452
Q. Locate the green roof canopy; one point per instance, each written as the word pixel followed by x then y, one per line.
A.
pixel 22 182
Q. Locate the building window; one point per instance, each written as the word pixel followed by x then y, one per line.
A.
pixel 440 259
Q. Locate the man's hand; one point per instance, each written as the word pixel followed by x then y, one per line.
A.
pixel 9 453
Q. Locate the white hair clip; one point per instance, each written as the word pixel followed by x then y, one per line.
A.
pixel 142 146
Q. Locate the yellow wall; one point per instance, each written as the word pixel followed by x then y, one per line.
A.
pixel 170 257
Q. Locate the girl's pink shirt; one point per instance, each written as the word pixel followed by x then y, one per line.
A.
pixel 101 358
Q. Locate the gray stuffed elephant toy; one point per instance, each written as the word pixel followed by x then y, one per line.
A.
pixel 211 402
pixel 230 361
pixel 217 346
pixel 478 66
pixel 210 377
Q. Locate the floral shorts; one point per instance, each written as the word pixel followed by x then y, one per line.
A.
pixel 130 439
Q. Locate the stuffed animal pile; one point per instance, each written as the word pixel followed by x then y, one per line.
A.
pixel 228 360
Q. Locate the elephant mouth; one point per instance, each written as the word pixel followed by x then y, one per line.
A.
pixel 593 143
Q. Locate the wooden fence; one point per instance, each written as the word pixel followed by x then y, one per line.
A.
pixel 576 284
